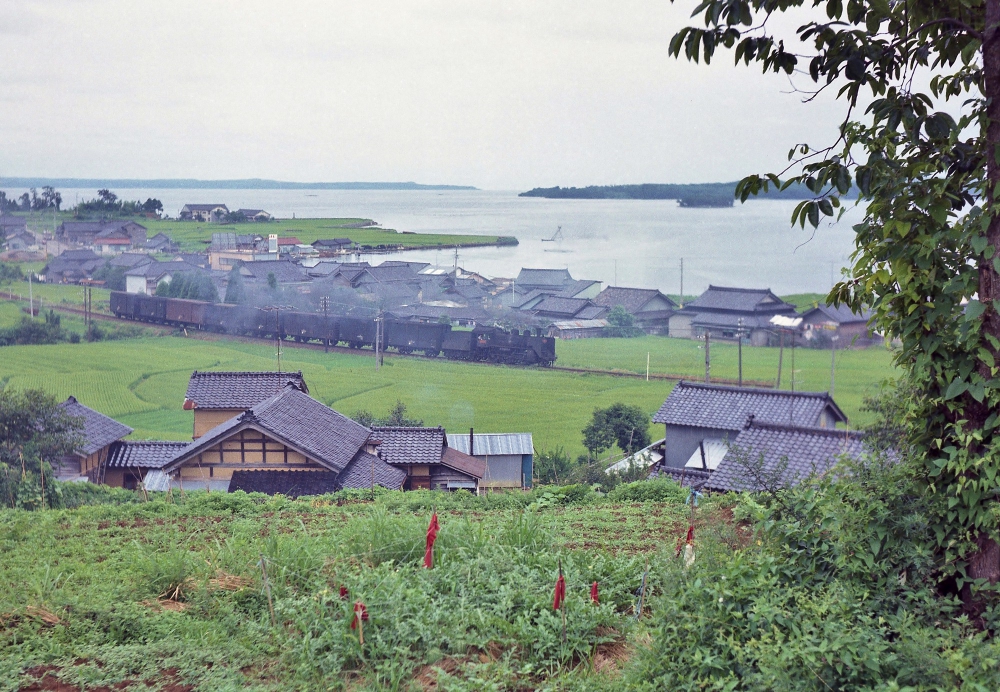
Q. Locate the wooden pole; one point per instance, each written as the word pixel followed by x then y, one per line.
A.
pixel 708 358
pixel 781 353
pixel 739 341
pixel 267 590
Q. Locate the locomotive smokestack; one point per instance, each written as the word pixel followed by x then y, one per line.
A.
pixel 472 443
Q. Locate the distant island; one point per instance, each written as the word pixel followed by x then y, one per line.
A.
pixel 193 184
pixel 690 195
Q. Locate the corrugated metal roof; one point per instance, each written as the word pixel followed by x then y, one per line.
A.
pixel 493 444
pixel 580 324
pixel 156 480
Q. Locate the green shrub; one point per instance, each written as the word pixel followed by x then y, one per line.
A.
pixel 656 490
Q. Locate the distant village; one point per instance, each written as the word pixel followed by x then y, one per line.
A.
pixel 263 431
pixel 119 254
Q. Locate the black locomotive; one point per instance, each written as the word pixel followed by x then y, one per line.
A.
pixel 482 344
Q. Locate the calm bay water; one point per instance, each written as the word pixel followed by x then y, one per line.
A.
pixel 620 242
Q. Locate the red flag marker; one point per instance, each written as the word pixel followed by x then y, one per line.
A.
pixel 360 617
pixel 343 592
pixel 593 594
pixel 682 542
pixel 560 594
pixel 432 532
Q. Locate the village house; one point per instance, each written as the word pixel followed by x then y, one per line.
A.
pixel 578 329
pixel 554 308
pixel 766 456
pixel 332 246
pixel 229 249
pixel 429 462
pixel 581 288
pixel 21 241
pixel 651 309
pixel 96 436
pixel 285 273
pixel 206 213
pixel 824 322
pixel 724 312
pixel 144 278
pixel 110 233
pixel 71 267
pixel 554 280
pixel 290 444
pixel 161 242
pixel 702 419
pixel 216 397
pixel 508 458
pixel 255 215
pixel 129 462
pixel 10 224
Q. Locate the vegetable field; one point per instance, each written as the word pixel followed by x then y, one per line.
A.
pixel 171 593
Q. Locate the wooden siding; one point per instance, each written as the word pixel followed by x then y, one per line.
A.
pixel 206 419
pixel 247 450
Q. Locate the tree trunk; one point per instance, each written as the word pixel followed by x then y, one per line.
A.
pixel 985 562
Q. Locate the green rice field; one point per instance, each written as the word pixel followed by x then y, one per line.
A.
pixel 142 381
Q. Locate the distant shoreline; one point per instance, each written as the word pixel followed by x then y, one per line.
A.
pixel 687 195
pixel 195 184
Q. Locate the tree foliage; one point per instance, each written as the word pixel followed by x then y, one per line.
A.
pixel 190 285
pixel 924 161
pixel 397 416
pixel 621 424
pixel 621 323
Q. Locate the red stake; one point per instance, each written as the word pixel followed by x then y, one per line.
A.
pixel 432 532
pixel 593 594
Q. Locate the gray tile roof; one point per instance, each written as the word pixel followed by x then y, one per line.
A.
pixel 562 307
pixel 130 260
pixel 726 408
pixel 358 473
pixel 632 299
pixel 297 420
pixel 556 278
pixel 332 242
pixel 774 455
pixel 688 478
pixel 841 314
pixel 204 207
pixel 148 454
pixel 154 270
pixel 463 463
pixel 98 429
pixel 237 390
pixel 493 444
pixel 284 272
pixel 386 274
pixel 738 299
pixel 578 286
pixel 405 445
pixel 591 312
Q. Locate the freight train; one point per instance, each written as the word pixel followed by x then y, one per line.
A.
pixel 482 344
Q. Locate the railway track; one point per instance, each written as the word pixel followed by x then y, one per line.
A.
pixel 289 343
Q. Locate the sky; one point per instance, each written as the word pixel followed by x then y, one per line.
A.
pixel 499 95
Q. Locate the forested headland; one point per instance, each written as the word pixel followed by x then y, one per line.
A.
pixel 688 195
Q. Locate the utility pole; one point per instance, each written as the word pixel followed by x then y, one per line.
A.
pixel 378 336
pixel 682 282
pixel 276 309
pixel 833 359
pixel 739 342
pixel 781 353
pixel 793 362
pixel 325 304
pixel 31 301
pixel 708 358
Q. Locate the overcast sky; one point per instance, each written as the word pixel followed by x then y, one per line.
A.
pixel 506 95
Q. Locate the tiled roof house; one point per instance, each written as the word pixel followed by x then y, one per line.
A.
pixel 428 460
pixel 701 419
pixel 651 308
pixel 723 310
pixel 766 456
pixel 288 432
pixel 216 397
pixel 98 434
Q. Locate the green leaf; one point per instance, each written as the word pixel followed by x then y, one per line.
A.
pixel 956 388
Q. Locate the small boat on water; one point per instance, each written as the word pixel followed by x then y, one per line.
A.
pixel 558 235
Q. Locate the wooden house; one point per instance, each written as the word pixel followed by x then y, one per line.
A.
pixel 129 462
pixel 206 213
pixel 651 309
pixel 701 420
pixel 851 328
pixel 278 444
pixel 216 397
pixel 509 458
pixel 97 435
pixel 430 463
pixel 724 312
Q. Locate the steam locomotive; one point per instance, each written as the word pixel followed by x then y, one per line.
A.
pixel 481 344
